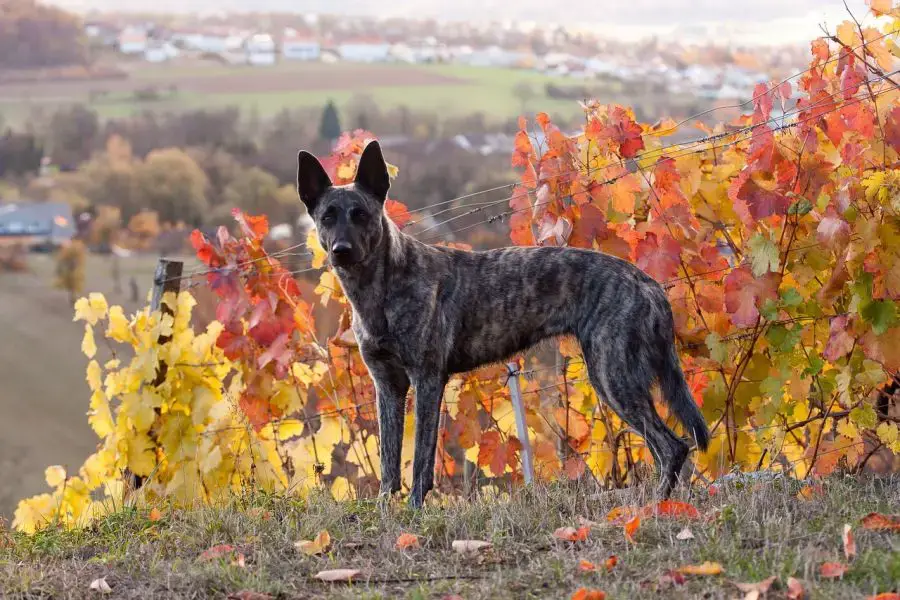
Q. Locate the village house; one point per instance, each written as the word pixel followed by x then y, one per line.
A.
pixel 364 50
pixel 158 51
pixel 208 40
pixel 36 224
pixel 260 49
pixel 132 41
pixel 297 45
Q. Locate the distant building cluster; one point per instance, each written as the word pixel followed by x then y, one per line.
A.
pixel 712 72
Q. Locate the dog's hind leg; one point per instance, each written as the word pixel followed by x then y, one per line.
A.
pixel 623 379
pixel 429 391
pixel 391 386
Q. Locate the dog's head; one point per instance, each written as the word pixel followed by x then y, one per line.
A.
pixel 349 218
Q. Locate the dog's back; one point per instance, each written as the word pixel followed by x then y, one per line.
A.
pixel 500 302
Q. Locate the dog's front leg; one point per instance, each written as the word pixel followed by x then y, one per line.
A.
pixel 391 385
pixel 429 390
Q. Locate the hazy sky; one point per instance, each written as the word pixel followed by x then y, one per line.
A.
pixel 761 20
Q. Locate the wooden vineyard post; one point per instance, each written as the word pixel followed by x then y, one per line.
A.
pixel 521 426
pixel 166 279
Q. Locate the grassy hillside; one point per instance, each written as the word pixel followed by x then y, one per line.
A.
pixel 753 532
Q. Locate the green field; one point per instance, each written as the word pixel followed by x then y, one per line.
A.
pixel 446 89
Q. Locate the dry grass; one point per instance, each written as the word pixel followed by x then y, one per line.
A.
pixel 754 532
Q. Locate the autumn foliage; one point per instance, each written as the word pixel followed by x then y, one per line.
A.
pixel 777 237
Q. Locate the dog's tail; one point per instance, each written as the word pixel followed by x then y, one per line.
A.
pixel 678 397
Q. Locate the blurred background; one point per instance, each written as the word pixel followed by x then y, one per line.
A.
pixel 125 124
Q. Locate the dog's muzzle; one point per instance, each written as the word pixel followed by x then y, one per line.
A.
pixel 342 254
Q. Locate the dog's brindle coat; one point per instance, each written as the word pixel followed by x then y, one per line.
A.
pixel 422 313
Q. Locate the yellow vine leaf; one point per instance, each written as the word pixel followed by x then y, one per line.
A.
pixel 88 346
pixel 55 476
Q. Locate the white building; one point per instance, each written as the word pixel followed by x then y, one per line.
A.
pixel 159 52
pixel 260 49
pixel 132 41
pixel 209 42
pixel 364 50
pixel 296 46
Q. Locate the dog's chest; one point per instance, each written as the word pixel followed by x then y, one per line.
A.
pixel 387 331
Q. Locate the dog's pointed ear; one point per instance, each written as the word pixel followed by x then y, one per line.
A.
pixel 312 180
pixel 371 173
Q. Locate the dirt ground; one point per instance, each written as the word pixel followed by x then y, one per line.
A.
pixel 43 393
pixel 215 79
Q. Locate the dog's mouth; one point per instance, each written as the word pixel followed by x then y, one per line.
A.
pixel 344 260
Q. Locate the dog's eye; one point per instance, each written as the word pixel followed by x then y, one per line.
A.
pixel 328 218
pixel 358 214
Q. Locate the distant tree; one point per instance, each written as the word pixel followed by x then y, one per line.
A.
pixel 104 227
pixel 19 153
pixel 172 184
pixel 35 35
pixel 70 260
pixel 143 229
pixel 220 167
pixel 278 150
pixel 73 134
pixel 524 91
pixel 258 192
pixel 109 178
pixel 330 125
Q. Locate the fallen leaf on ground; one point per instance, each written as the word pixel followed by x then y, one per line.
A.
pixel 830 570
pixel 880 522
pixel 338 574
pixel 849 543
pixel 155 514
pixel 758 588
pixel 100 585
pixel 808 492
pixel 407 540
pixel 463 546
pixel 316 546
pixel 611 562
pixel 586 594
pixel 570 534
pixel 674 508
pixel 631 527
pixel 795 589
pixel 586 565
pixel 249 595
pixel 258 513
pixel 707 568
pixel 622 514
pixel 217 551
pixel 885 596
pixel 670 578
pixel 685 534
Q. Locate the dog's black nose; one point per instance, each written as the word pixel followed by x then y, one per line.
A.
pixel 341 249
